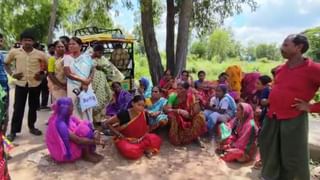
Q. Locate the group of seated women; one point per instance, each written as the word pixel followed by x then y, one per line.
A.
pixel 190 110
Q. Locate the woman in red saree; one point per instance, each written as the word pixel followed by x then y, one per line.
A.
pixel 133 137
pixel 241 144
pixel 187 122
pixel 167 83
pixel 205 89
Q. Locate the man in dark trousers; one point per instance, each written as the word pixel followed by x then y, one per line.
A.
pixel 28 75
pixel 284 136
pixel 44 90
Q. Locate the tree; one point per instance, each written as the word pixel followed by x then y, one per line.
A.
pixel 269 51
pixel 199 48
pixel 53 17
pixel 170 45
pixel 21 14
pixel 83 13
pixel 220 44
pixel 185 15
pixel 313 35
pixel 149 39
pixel 201 15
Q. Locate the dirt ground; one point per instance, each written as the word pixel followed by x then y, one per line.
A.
pixel 31 162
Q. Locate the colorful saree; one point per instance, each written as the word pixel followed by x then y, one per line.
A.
pixel 61 149
pixel 241 144
pixel 184 131
pixel 204 93
pixel 101 86
pixel 137 139
pixel 4 172
pixel 161 119
pixel 120 102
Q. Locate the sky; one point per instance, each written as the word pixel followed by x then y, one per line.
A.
pixel 270 23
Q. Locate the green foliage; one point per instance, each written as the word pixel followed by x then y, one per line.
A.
pixel 213 68
pixel 209 14
pixel 220 44
pixel 314 40
pixel 269 51
pixel 83 13
pixel 21 14
pixel 158 9
pixel 249 53
pixel 199 48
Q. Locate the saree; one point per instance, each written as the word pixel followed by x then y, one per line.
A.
pixel 235 76
pixel 82 67
pixel 204 94
pixel 242 142
pixel 248 86
pixel 56 66
pixel 184 131
pixel 101 86
pixel 120 102
pixel 4 172
pixel 158 106
pixel 137 139
pixel 67 151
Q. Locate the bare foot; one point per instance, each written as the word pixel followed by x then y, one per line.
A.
pixel 149 155
pixel 90 158
pixel 199 142
pixel 98 156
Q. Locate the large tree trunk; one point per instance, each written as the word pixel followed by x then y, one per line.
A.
pixel 183 35
pixel 53 17
pixel 171 61
pixel 150 42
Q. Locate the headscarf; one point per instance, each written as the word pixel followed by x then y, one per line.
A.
pixel 147 85
pixel 235 76
pixel 224 88
pixel 248 85
pixel 61 108
pixel 246 129
pixel 247 112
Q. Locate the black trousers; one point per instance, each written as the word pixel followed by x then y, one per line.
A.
pixel 44 92
pixel 20 98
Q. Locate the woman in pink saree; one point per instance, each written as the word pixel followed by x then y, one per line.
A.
pixel 241 144
pixel 69 138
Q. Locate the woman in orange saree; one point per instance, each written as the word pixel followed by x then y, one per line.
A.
pixel 187 122
pixel 132 133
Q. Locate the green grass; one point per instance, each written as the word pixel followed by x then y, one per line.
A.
pixel 212 68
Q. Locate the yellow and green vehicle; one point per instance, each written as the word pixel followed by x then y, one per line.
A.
pixel 118 48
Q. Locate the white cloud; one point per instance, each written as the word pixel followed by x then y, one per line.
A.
pixel 274 20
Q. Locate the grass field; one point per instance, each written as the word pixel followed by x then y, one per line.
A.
pixel 212 68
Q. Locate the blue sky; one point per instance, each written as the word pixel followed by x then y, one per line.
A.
pixel 270 23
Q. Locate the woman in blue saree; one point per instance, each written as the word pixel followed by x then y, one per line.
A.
pixel 155 106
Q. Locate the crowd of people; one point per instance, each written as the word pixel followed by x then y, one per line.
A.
pixel 249 116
